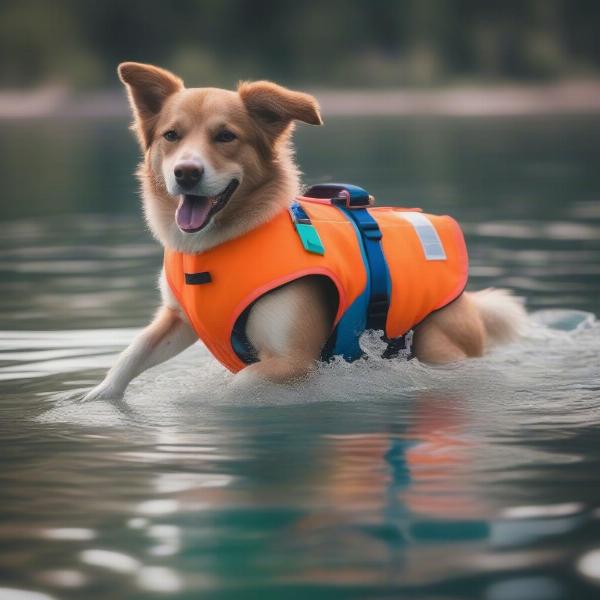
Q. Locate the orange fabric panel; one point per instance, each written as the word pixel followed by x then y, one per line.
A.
pixel 267 257
pixel 419 286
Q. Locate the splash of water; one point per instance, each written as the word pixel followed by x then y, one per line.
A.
pixel 553 370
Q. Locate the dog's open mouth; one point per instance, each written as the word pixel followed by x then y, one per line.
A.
pixel 194 212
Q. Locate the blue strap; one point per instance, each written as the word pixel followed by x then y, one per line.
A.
pixel 379 298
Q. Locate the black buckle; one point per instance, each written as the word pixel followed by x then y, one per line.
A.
pixel 198 278
pixel 371 230
pixel 377 312
pixel 399 345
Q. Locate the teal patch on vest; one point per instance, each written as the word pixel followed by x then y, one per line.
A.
pixel 310 238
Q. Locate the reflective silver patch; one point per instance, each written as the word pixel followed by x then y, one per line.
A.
pixel 427 234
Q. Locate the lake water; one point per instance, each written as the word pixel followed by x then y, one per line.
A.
pixel 377 480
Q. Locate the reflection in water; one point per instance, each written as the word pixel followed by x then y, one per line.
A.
pixel 377 476
pixel 381 479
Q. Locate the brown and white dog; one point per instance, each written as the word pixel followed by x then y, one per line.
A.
pixel 232 150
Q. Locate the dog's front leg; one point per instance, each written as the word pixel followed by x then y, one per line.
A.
pixel 167 335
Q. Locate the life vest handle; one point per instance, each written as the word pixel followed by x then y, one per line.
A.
pixel 344 194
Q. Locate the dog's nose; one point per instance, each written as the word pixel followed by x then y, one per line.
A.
pixel 188 173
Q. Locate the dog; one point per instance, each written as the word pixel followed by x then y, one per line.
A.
pixel 218 166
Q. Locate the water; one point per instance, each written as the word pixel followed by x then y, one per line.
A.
pixel 376 480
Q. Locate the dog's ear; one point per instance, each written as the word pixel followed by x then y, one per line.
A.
pixel 275 107
pixel 147 88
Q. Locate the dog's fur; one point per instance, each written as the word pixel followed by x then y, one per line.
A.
pixel 288 327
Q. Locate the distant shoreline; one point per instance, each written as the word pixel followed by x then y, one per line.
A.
pixel 575 97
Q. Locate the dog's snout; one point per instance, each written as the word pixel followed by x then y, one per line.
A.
pixel 188 173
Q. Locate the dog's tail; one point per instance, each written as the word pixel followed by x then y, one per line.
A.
pixel 503 315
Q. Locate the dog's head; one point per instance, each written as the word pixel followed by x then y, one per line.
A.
pixel 212 154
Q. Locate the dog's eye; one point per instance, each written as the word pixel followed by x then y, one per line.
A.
pixel 225 136
pixel 171 135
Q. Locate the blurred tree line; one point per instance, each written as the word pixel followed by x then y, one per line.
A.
pixel 327 42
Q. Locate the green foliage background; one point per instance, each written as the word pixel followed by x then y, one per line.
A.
pixel 366 43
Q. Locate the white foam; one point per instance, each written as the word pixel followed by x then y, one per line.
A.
pixel 548 371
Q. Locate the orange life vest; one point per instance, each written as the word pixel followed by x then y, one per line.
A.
pixel 426 269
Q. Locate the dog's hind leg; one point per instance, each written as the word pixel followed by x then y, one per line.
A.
pixel 469 326
pixel 453 333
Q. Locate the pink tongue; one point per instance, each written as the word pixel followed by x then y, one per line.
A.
pixel 192 212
